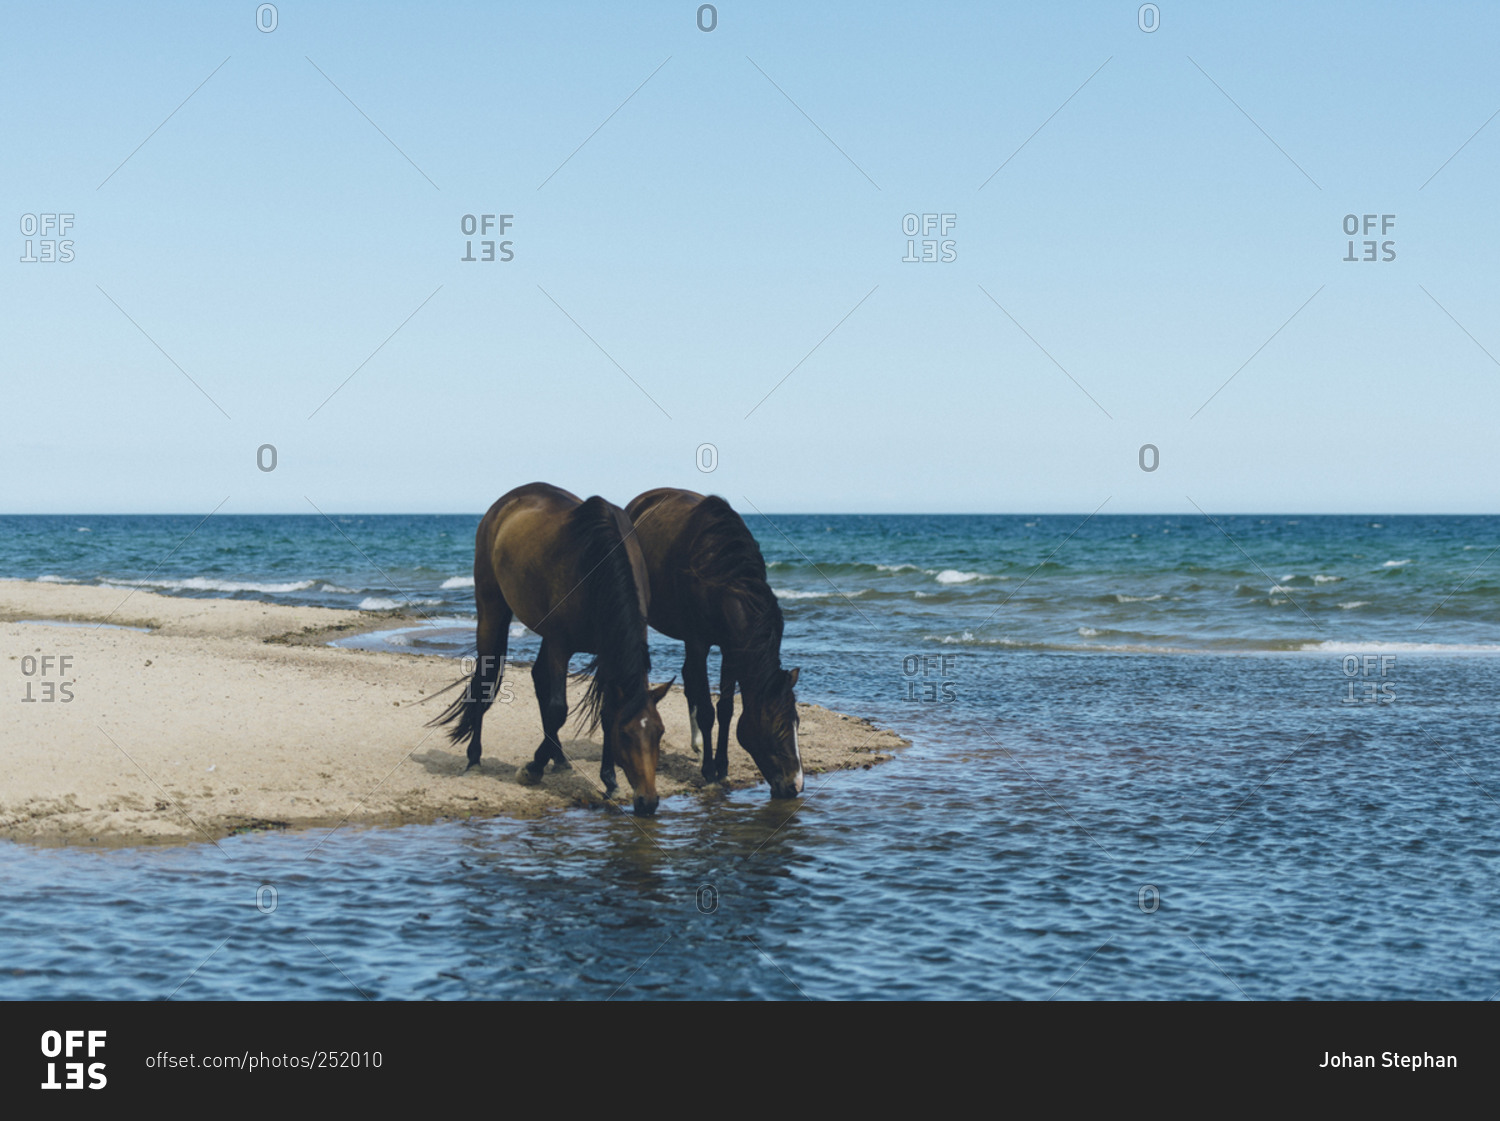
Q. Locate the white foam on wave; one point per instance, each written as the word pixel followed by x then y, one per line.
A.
pixel 336 590
pixel 1396 563
pixel 1335 647
pixel 204 584
pixel 898 568
pixel 1353 603
pixel 1089 632
pixel 790 593
pixel 1136 599
pixel 55 580
pixel 457 582
pixel 385 603
pixel 954 576
pixel 1321 579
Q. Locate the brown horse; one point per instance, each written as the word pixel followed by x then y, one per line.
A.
pixel 570 570
pixel 708 588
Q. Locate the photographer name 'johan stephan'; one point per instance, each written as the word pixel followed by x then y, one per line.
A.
pixel 1388 1059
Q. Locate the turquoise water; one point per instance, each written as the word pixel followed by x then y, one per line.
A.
pixel 1152 757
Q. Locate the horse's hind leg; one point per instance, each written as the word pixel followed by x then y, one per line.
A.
pixel 550 676
pixel 700 700
pixel 726 716
pixel 489 665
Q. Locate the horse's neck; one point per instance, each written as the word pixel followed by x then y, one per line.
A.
pixel 743 651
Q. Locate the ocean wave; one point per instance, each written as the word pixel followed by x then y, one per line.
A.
pixel 1353 603
pixel 385 603
pixel 1321 579
pixel 954 576
pixel 899 568
pixel 1120 598
pixel 56 580
pixel 457 582
pixel 334 589
pixel 790 593
pixel 1396 563
pixel 1332 646
pixel 204 584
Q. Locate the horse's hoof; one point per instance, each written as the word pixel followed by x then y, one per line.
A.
pixel 561 765
pixel 528 775
pixel 472 764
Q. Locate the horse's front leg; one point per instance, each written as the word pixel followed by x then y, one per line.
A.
pixel 726 715
pixel 607 765
pixel 700 701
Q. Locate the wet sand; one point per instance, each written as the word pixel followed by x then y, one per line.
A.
pixel 225 716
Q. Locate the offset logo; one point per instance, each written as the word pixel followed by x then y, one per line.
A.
pixel 66 1045
pixel 54 244
pixel 482 224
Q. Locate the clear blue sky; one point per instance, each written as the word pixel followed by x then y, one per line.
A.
pixel 1149 237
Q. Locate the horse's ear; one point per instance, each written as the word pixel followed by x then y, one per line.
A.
pixel 791 677
pixel 661 691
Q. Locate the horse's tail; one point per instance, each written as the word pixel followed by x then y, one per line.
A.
pixel 463 709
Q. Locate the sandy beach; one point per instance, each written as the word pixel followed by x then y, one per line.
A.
pixel 224 716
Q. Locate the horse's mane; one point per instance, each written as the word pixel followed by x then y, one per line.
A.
pixel 610 598
pixel 726 557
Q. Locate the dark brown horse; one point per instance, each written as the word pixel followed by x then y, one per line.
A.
pixel 571 570
pixel 708 588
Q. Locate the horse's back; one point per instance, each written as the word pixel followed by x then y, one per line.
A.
pixel 691 543
pixel 521 553
pixel 538 544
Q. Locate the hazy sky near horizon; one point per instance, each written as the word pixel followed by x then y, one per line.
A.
pixel 1138 218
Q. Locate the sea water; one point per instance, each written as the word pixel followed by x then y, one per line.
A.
pixel 1152 757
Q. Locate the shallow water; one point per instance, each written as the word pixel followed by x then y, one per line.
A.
pixel 1131 826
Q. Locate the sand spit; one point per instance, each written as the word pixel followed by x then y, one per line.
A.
pixel 221 716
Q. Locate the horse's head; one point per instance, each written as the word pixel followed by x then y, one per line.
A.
pixel 635 740
pixel 768 731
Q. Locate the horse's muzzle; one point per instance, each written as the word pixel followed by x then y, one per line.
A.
pixel 645 807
